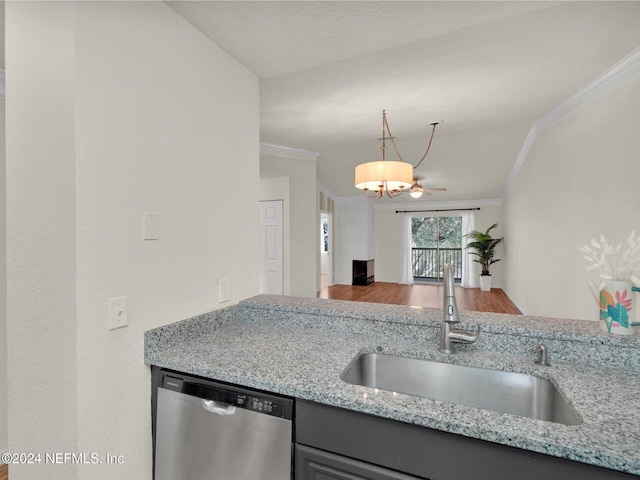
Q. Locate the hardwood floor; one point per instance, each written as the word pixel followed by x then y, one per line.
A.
pixel 422 295
pixel 4 472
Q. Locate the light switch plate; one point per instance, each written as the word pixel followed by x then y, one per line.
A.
pixel 118 315
pixel 150 226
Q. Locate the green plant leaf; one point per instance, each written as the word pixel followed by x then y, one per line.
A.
pixel 483 246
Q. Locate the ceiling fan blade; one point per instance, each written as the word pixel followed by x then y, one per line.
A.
pixel 435 189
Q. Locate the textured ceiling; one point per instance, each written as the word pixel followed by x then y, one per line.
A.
pixel 272 38
pixel 488 69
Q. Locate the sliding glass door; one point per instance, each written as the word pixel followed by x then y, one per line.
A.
pixel 436 241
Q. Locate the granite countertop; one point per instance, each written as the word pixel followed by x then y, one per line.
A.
pixel 299 348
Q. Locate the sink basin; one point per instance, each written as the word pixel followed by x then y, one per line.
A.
pixel 506 392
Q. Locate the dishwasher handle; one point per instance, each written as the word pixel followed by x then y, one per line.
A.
pixel 217 408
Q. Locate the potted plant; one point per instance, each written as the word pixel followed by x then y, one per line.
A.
pixel 484 246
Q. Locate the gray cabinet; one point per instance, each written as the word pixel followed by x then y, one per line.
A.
pixel 338 444
pixel 314 464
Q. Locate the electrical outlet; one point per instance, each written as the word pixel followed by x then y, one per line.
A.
pixel 118 315
pixel 223 290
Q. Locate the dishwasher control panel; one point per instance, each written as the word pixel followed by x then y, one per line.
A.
pixel 261 404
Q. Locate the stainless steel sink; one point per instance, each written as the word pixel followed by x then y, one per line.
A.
pixel 506 392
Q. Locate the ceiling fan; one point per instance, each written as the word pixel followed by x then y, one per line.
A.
pixel 417 190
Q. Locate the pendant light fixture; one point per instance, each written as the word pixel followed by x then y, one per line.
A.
pixel 385 176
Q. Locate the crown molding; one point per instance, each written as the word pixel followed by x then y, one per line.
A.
pixel 353 199
pixel 524 151
pixel 344 199
pixel 417 204
pixel 327 193
pixel 2 83
pixel 287 152
pixel 451 204
pixel 622 73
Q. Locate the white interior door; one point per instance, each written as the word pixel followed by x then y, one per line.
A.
pixel 271 248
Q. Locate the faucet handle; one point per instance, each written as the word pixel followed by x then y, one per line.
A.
pixel 543 354
pixel 464 336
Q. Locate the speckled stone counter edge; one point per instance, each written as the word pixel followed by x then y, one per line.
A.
pixel 567 340
pixel 500 323
pixel 161 338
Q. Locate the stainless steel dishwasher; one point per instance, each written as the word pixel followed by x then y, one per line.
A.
pixel 213 431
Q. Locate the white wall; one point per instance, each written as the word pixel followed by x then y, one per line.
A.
pixel 355 238
pixel 131 109
pixel 278 189
pixel 579 180
pixel 41 234
pixel 3 285
pixel 388 237
pixel 303 241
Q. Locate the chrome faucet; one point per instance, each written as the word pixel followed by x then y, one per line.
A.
pixel 449 335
